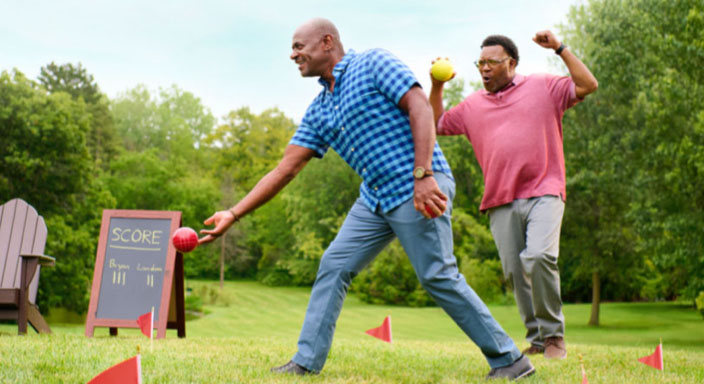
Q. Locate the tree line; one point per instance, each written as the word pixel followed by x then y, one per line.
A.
pixel 634 153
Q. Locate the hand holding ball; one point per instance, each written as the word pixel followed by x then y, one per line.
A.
pixel 185 239
pixel 430 211
pixel 442 70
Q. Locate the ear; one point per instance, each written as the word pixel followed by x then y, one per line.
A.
pixel 327 42
pixel 512 64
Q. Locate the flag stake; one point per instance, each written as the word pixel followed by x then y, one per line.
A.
pixel 151 333
pixel 584 373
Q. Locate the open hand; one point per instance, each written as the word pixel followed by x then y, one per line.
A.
pixel 222 220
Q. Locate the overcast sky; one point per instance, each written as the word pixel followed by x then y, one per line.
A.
pixel 236 53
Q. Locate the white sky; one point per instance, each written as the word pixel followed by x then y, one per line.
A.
pixel 236 53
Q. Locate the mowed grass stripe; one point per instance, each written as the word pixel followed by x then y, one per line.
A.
pixel 257 310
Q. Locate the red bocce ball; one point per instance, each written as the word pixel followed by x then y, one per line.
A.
pixel 185 239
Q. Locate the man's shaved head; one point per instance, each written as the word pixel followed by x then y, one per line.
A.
pixel 316 48
pixel 320 27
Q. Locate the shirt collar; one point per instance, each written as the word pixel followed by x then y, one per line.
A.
pixel 517 80
pixel 339 68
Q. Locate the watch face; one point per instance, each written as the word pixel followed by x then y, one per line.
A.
pixel 419 173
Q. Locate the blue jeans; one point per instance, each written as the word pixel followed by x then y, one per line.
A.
pixel 428 244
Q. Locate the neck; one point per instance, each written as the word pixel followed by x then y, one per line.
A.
pixel 508 83
pixel 328 75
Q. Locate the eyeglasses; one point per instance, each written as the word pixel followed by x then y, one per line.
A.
pixel 491 63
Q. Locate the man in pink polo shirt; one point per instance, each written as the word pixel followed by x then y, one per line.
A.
pixel 515 127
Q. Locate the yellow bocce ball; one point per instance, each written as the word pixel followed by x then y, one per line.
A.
pixel 442 70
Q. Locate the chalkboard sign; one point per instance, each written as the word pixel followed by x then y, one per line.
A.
pixel 137 268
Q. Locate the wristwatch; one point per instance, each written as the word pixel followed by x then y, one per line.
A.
pixel 559 50
pixel 421 172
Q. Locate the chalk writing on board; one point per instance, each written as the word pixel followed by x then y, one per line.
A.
pixel 134 272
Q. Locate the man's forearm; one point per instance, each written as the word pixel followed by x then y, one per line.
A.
pixel 295 158
pixel 267 187
pixel 435 99
pixel 415 104
pixel 423 139
pixel 422 129
pixel 584 80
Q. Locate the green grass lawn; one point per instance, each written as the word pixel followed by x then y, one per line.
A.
pixel 258 328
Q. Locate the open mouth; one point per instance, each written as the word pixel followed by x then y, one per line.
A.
pixel 486 79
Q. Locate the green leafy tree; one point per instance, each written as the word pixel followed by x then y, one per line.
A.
pixel 44 160
pixel 245 146
pixel 634 151
pixel 173 121
pixel 163 165
pixel 43 152
pixel 78 83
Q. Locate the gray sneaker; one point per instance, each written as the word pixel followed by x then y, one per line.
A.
pixel 293 369
pixel 519 369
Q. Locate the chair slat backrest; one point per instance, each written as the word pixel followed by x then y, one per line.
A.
pixel 22 231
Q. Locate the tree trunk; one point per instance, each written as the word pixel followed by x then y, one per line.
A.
pixel 222 261
pixel 596 298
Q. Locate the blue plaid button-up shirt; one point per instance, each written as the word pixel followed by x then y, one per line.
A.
pixel 362 122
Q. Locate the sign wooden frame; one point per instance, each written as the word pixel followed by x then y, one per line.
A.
pixel 171 313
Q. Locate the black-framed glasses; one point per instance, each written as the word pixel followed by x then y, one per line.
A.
pixel 490 62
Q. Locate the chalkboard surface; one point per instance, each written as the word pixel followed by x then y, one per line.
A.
pixel 133 273
pixel 137 268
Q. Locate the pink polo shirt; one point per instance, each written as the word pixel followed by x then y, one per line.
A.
pixel 517 136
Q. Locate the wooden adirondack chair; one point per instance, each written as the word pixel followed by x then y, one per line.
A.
pixel 22 239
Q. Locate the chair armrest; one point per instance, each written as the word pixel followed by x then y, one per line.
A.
pixel 44 260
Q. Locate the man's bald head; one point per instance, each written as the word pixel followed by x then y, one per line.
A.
pixel 319 28
pixel 316 48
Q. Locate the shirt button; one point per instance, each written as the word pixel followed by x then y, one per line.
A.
pixel 376 188
pixel 342 128
pixel 364 170
pixel 352 149
pixel 337 107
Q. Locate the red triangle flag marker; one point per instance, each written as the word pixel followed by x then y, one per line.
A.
pixel 382 332
pixel 654 360
pixel 126 372
pixel 146 324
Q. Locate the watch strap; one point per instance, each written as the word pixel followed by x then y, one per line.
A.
pixel 560 49
pixel 426 173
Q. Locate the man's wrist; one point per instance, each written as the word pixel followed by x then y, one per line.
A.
pixel 561 48
pixel 234 215
pixel 421 172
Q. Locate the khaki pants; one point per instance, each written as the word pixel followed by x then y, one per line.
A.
pixel 527 235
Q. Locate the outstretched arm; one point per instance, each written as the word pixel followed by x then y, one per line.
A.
pixel 295 158
pixel 585 83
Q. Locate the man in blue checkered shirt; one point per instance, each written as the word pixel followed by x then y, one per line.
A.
pixel 373 113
